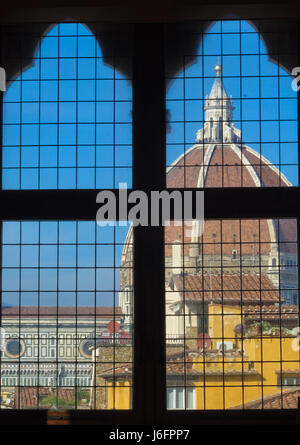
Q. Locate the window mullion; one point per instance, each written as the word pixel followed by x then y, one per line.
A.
pixel 149 174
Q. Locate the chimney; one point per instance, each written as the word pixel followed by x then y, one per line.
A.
pixel 177 263
pixel 193 257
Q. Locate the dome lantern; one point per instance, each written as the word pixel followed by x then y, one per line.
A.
pixel 218 125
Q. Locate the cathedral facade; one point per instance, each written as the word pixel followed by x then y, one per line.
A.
pixel 52 347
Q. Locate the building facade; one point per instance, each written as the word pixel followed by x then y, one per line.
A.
pixel 50 346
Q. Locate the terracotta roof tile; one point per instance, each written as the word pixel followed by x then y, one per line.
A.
pixel 185 172
pixel 122 370
pixel 271 312
pixel 176 365
pixel 218 236
pixel 226 287
pixel 65 311
pixel 229 372
pixel 179 367
pixel 268 176
pixel 30 396
pixel 281 400
pixel 226 170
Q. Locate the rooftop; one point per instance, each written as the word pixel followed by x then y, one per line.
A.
pixel 227 287
pixel 61 311
pixel 281 400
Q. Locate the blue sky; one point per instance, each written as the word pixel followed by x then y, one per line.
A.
pixel 57 257
pixel 44 127
pixel 261 90
pixel 66 112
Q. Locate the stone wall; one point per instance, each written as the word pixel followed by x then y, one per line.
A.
pixel 109 357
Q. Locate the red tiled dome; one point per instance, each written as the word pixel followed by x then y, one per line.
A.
pixel 231 165
pixel 223 165
pixel 226 169
pixel 219 159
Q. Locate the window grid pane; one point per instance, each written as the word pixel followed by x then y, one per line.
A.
pixel 232 111
pixel 66 334
pixel 232 320
pixel 67 115
pixel 232 122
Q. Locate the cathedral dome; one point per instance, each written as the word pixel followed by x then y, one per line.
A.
pixel 218 159
pixel 223 165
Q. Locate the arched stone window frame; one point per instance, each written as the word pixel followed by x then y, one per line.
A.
pixel 149 114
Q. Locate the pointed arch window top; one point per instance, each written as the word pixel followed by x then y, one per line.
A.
pixel 67 116
pixel 251 93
